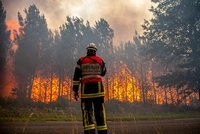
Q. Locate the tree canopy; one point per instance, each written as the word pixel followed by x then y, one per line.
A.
pixel 4 44
pixel 172 38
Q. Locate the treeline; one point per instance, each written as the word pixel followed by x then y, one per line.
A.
pixel 162 66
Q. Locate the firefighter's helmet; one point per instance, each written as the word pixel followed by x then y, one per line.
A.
pixel 91 46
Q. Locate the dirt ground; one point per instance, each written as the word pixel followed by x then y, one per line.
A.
pixel 178 126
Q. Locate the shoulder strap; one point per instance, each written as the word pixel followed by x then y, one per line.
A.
pixel 94 60
pixel 90 59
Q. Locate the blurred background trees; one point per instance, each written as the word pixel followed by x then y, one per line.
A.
pixel 4 45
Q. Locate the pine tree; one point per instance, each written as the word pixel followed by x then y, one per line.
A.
pixel 4 44
pixel 105 34
pixel 173 41
pixel 32 41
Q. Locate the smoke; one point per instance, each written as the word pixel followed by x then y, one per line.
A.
pixel 124 16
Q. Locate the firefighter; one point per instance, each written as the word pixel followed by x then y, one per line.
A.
pixel 88 73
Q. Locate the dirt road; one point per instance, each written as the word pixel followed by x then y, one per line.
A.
pixel 181 126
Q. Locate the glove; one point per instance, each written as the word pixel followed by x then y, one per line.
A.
pixel 76 96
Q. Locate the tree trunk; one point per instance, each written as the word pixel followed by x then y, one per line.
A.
pixel 126 88
pixel 113 90
pixel 172 98
pixel 30 86
pixel 51 83
pixel 133 89
pixel 40 91
pixel 136 97
pixel 178 97
pixel 59 84
pixel 45 92
pixel 154 90
pixel 107 91
pixel 62 85
pixel 118 87
pixel 185 98
pixel 143 91
pixel 142 85
pixel 165 95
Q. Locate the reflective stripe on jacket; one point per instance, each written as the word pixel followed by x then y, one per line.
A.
pixel 92 90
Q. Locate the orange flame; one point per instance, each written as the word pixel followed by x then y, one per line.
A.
pixel 12 25
pixel 45 90
pixel 121 85
pixel 9 80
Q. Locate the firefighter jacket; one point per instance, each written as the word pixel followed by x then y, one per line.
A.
pixel 88 73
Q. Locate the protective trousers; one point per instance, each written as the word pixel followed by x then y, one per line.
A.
pixel 87 105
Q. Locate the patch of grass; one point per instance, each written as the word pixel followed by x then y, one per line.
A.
pixel 153 116
pixel 122 111
pixel 26 114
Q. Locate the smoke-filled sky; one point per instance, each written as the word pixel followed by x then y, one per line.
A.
pixel 124 16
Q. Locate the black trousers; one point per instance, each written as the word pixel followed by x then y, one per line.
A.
pixel 90 107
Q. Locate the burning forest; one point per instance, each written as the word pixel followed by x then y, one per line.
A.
pixel 61 61
pixel 148 68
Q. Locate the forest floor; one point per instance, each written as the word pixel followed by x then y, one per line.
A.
pixel 172 126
